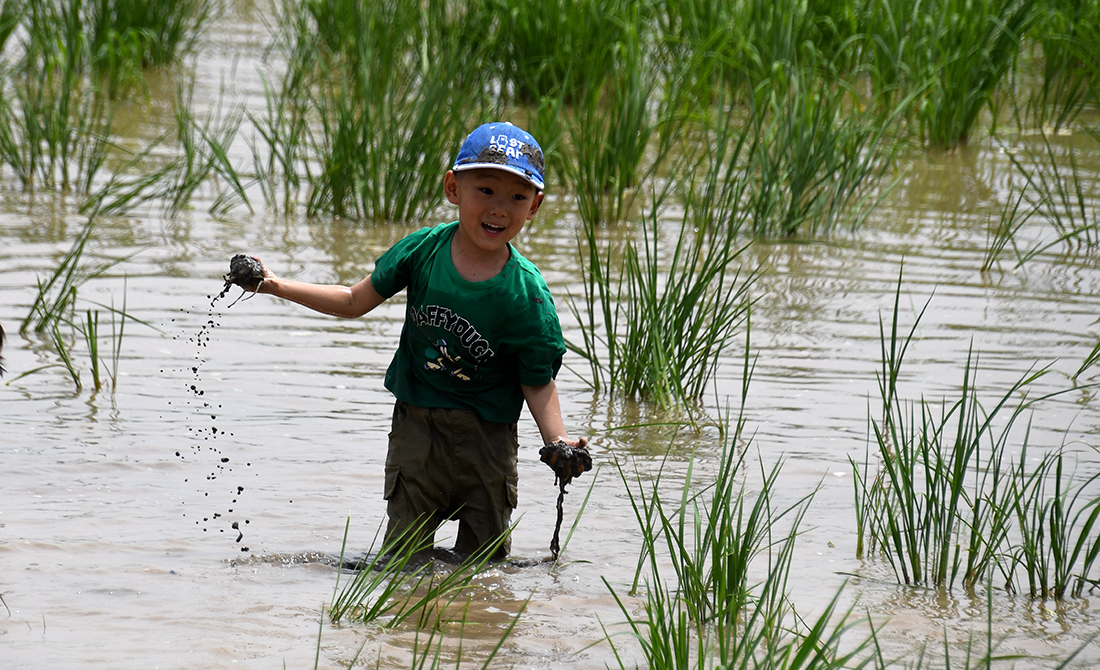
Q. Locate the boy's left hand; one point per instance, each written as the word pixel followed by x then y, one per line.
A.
pixel 567 460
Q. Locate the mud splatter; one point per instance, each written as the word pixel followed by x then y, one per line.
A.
pixel 205 434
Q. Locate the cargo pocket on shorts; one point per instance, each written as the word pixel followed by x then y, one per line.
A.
pixel 392 475
pixel 511 492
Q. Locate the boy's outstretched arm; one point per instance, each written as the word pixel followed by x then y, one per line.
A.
pixel 545 407
pixel 342 301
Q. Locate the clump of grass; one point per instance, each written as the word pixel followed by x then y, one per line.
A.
pixel 953 54
pixel 1059 529
pixel 709 614
pixel 819 158
pixel 1009 222
pixel 117 38
pixel 55 306
pixel 56 296
pixel 393 92
pixel 55 116
pixel 562 47
pixel 399 583
pixel 1061 199
pixel 942 504
pixel 201 156
pixel 388 585
pixel 663 321
pixel 1068 32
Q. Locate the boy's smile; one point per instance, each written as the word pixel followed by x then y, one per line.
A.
pixel 493 206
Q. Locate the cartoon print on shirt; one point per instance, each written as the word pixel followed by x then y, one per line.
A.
pixel 443 359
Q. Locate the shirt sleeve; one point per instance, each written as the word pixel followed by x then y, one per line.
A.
pixel 542 356
pixel 394 269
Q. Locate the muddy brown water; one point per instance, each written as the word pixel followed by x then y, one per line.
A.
pixel 192 519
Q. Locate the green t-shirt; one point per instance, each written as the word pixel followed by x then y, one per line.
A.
pixel 468 345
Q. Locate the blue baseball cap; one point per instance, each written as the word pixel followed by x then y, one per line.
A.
pixel 502 146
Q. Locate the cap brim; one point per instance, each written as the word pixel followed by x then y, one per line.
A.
pixel 534 181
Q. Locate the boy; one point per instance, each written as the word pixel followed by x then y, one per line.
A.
pixel 481 336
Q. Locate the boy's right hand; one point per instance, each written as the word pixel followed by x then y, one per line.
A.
pixel 248 272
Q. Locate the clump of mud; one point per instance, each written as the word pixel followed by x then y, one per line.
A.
pixel 244 271
pixel 567 462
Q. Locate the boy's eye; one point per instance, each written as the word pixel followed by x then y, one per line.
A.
pixel 486 190
pixel 519 196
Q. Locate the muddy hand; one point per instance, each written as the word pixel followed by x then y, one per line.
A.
pixel 247 272
pixel 566 461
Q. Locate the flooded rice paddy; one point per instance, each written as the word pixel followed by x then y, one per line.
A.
pixel 193 518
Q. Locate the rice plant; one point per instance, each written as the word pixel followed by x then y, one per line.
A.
pixel 1059 197
pixel 563 48
pixel 56 296
pixel 1010 220
pixel 1059 530
pixel 654 328
pixel 939 504
pixel 89 328
pixel 117 38
pixel 54 126
pixel 11 13
pixel 201 158
pixel 1068 32
pixel 64 351
pixel 1091 359
pixel 399 583
pixel 819 159
pixel 393 91
pixel 610 135
pixel 709 614
pixel 952 53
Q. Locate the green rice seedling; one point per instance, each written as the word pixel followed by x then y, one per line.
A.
pixel 64 351
pixel 54 125
pixel 562 47
pixel 390 106
pixel 1059 530
pixel 1011 219
pixel 116 337
pixel 1061 199
pixel 715 184
pixel 708 614
pixel 621 133
pixel 117 38
pixel 707 33
pixel 56 297
pixel 1091 359
pixel 166 30
pixel 953 54
pixel 11 14
pixel 820 159
pixel 201 158
pixel 663 323
pixel 940 490
pixel 1068 32
pixel 399 584
pixel 204 153
pixel 89 328
pixel 609 137
pixel 975 45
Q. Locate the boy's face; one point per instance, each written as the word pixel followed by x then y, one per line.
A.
pixel 492 204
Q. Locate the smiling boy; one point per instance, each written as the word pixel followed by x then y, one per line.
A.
pixel 481 337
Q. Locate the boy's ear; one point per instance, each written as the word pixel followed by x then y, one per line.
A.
pixel 450 187
pixel 536 202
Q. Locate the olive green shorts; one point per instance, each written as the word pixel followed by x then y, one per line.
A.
pixel 446 464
